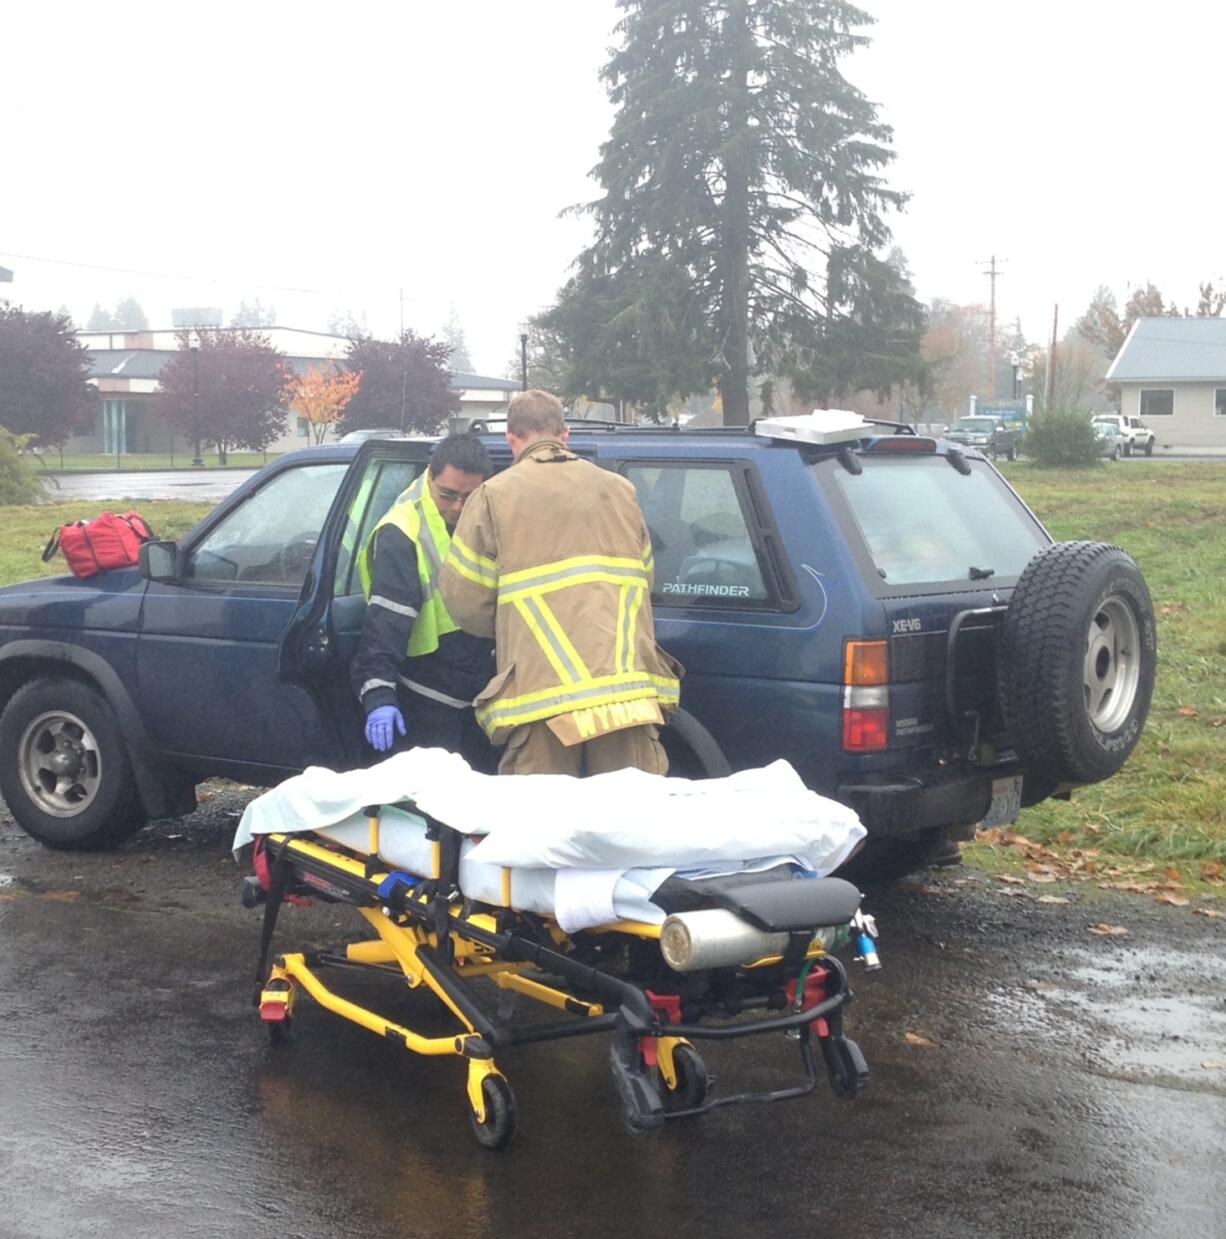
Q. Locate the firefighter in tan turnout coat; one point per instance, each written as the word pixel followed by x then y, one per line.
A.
pixel 552 558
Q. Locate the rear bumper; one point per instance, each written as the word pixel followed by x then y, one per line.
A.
pixel 904 807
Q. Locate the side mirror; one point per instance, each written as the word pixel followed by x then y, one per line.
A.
pixel 159 561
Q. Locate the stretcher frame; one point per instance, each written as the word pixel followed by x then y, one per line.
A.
pixel 426 933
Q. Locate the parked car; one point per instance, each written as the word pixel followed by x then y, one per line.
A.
pixel 1110 441
pixel 885 613
pixel 1135 435
pixel 991 435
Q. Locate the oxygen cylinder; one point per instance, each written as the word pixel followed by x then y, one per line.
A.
pixel 714 938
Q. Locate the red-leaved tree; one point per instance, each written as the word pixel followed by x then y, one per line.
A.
pixel 43 392
pixel 232 394
pixel 406 384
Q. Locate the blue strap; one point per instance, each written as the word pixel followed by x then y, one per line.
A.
pixel 396 880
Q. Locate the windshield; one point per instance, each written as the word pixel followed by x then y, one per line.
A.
pixel 980 425
pixel 923 522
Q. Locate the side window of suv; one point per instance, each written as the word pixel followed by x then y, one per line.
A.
pixel 270 538
pixel 699 535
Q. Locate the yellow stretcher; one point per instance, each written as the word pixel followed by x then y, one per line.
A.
pixel 753 944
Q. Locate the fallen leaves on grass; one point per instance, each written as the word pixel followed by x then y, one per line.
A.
pixel 1213 912
pixel 1050 899
pixel 1045 865
pixel 920 1039
pixel 1109 931
pixel 1188 711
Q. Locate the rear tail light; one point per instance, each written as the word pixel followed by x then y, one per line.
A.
pixel 866 696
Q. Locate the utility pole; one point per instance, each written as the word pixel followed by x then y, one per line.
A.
pixel 1050 392
pixel 992 274
pixel 523 361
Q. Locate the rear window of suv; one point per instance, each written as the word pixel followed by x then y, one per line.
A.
pixel 922 523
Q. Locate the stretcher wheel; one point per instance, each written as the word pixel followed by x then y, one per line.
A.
pixel 845 1063
pixel 693 1079
pixel 280 1032
pixel 501 1115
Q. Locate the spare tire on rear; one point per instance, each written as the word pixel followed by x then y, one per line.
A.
pixel 1078 653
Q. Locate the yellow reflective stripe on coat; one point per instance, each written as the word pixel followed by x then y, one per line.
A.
pixel 563 573
pixel 545 703
pixel 568 666
pixel 478 569
pixel 629 602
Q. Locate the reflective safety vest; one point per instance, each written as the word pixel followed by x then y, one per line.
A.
pixel 415 515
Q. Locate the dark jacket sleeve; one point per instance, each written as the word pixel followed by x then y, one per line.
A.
pixel 395 599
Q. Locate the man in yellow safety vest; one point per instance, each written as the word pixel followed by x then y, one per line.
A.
pixel 415 672
pixel 553 559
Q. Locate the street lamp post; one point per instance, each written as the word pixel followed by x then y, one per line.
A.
pixel 523 360
pixel 194 345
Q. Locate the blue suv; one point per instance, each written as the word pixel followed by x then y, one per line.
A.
pixel 885 613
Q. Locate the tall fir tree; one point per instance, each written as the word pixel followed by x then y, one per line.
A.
pixel 742 212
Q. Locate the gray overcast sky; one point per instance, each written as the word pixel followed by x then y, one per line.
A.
pixel 354 150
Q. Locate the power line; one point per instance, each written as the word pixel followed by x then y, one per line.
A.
pixel 159 275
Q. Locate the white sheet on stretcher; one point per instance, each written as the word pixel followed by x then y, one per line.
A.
pixel 587 851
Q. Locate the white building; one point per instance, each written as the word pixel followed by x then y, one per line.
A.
pixel 1172 373
pixel 125 366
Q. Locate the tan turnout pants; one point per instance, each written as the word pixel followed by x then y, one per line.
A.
pixel 534 749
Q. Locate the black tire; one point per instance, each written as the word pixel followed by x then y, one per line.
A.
pixel 1127 447
pixel 64 769
pixel 884 860
pixel 1077 660
pixel 1011 454
pixel 501 1115
pixel 693 1079
pixel 1149 447
pixel 1115 452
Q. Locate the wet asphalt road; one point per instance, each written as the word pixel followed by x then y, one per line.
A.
pixel 191 486
pixel 1077 1084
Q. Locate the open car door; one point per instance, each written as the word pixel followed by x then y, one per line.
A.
pixel 323 634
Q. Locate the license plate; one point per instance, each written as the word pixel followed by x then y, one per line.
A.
pixel 1006 802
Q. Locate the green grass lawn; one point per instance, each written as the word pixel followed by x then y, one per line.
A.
pixel 1169 802
pixel 50 461
pixel 24 531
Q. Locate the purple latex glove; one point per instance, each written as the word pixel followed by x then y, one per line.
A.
pixel 382 723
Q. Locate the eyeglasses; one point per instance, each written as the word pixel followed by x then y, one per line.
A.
pixel 451 496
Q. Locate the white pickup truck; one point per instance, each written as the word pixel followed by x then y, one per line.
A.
pixel 1135 435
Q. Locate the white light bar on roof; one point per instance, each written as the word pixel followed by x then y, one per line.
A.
pixel 820 426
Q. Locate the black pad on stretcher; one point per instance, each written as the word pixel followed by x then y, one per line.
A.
pixel 774 900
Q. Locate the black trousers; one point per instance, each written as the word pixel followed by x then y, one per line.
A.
pixel 433 724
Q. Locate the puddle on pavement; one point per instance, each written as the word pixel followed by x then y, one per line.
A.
pixel 1134 1020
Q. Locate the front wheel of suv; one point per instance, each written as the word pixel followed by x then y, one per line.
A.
pixel 64 769
pixel 1077 660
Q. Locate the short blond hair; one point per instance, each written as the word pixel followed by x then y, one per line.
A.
pixel 533 414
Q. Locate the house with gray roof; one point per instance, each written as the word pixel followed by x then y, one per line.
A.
pixel 125 367
pixel 1172 374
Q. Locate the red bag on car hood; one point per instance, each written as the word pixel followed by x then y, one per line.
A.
pixel 108 541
